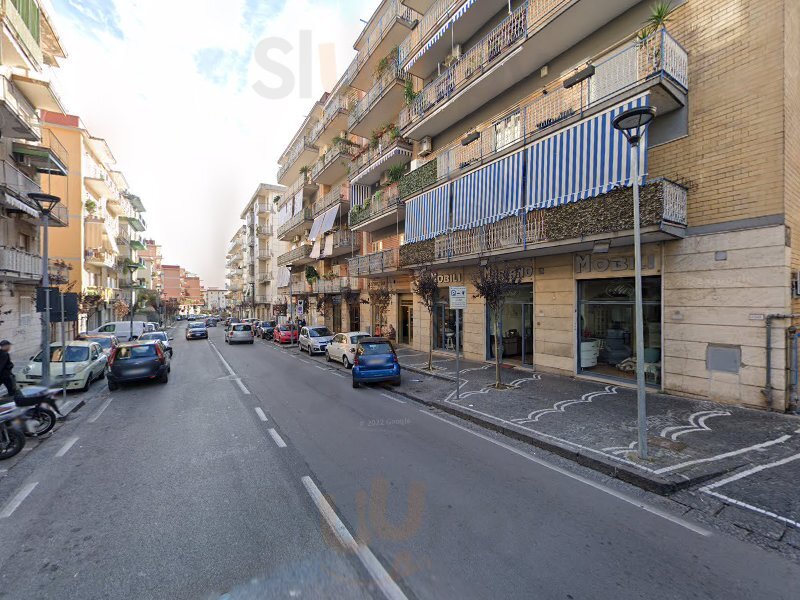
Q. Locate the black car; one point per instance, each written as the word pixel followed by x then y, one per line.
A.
pixel 138 361
pixel 196 331
pixel 266 329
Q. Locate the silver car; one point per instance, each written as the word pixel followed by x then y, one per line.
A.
pixel 314 339
pixel 239 333
pixel 158 335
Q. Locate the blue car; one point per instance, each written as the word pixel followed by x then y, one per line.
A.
pixel 375 362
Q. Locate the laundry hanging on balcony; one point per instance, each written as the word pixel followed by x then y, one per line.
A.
pixel 441 31
pixel 359 193
pixel 583 161
pixel 283 277
pixel 489 194
pixel 427 215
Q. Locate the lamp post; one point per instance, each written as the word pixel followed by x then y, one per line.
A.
pixel 45 203
pixel 132 267
pixel 633 123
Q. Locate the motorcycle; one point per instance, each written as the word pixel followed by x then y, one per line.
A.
pixel 12 438
pixel 38 409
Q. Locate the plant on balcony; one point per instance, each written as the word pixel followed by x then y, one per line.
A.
pixel 408 92
pixel 426 286
pixel 90 206
pixel 417 253
pixel 304 171
pixel 329 275
pixel 394 133
pixel 311 275
pixel 494 283
pixel 417 180
pixel 395 173
pixel 276 200
pixel 380 298
pixel 375 140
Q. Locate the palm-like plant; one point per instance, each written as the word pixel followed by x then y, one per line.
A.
pixel 660 14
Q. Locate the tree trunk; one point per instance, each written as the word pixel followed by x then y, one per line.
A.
pixel 497 350
pixel 430 343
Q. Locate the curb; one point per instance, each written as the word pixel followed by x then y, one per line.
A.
pixel 72 406
pixel 429 374
pixel 651 483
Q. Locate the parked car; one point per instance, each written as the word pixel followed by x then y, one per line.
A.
pixel 196 331
pixel 314 339
pixel 138 361
pixel 343 347
pixel 191 318
pixel 375 361
pixel 155 325
pixel 162 337
pixel 240 333
pixel 84 360
pixel 211 322
pixel 107 341
pixel 285 334
pixel 122 329
pixel 266 329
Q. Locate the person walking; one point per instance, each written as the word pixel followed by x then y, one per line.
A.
pixel 6 369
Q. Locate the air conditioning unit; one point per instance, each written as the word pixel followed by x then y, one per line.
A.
pixel 425 146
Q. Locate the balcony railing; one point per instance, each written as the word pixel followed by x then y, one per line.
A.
pixel 301 253
pixel 388 79
pixel 15 263
pixel 16 182
pixel 383 202
pixel 339 194
pixel 380 27
pixel 27 27
pixel 294 153
pixel 341 103
pixel 340 151
pixel 264 231
pixel 265 277
pixel 375 263
pixel 295 221
pixel 635 63
pixel 336 285
pixel 19 105
pixel 434 16
pixel 375 152
pixel 262 253
pixel 344 238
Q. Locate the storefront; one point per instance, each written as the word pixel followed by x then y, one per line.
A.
pixel 444 319
pixel 516 327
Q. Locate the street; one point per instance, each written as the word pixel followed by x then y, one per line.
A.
pixel 258 472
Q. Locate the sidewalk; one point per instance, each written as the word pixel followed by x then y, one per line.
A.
pixel 595 424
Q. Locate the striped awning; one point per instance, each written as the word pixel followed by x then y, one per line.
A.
pixel 395 152
pixel 15 204
pixel 358 193
pixel 441 31
pixel 488 194
pixel 584 161
pixel 427 215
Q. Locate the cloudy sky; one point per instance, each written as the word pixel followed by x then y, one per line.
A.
pixel 185 95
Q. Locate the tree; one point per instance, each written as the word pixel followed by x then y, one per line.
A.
pixel 121 308
pixel 493 283
pixel 380 297
pixel 426 286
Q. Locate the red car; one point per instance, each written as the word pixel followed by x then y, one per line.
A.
pixel 285 334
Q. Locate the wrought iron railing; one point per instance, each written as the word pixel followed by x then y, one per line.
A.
pixel 380 27
pixel 295 221
pixel 434 16
pixel 375 263
pixel 344 238
pixel 264 231
pixel 299 253
pixel 339 194
pixel 294 153
pixel 340 151
pixel 16 102
pixel 384 201
pixel 374 152
pixel 391 76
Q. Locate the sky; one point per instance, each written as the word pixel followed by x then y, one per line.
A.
pixel 196 101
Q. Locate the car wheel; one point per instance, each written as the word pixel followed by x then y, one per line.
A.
pixel 164 378
pixel 397 381
pixel 88 383
pixel 112 386
pixel 327 356
pixel 102 375
pixel 355 384
pixel 346 362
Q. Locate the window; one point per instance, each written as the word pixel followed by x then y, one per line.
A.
pixel 377 246
pixel 373 348
pixel 320 332
pixel 110 328
pixel 24 242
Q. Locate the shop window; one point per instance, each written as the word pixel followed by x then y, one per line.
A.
pixel 607 344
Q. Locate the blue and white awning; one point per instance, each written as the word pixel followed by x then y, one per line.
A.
pixel 358 193
pixel 441 31
pixel 584 161
pixel 488 194
pixel 428 215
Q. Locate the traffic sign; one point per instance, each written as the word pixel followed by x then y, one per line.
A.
pixel 458 297
pixel 300 307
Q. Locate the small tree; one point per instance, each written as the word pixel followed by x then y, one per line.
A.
pixel 380 297
pixel 493 283
pixel 426 286
pixel 121 308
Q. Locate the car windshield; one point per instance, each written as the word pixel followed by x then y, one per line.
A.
pixel 73 354
pixel 196 326
pixel 373 348
pixel 154 336
pixel 319 332
pixel 242 327
pixel 285 328
pixel 104 342
pixel 143 351
pixel 354 339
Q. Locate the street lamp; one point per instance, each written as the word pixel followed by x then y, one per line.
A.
pixel 132 267
pixel 633 123
pixel 45 203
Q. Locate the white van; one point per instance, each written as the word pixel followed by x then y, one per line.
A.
pixel 122 329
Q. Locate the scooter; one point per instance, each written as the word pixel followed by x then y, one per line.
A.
pixel 39 409
pixel 12 438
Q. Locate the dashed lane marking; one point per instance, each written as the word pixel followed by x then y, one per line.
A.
pixel 100 411
pixel 67 445
pixel 232 373
pixel 393 398
pixel 261 414
pixel 18 498
pixel 277 438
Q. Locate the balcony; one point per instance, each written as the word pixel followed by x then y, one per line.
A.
pixel 334 118
pixel 382 33
pixel 137 223
pixel 295 226
pixel 535 33
pixel 384 262
pixel 304 185
pixel 262 299
pixel 296 257
pixel 100 258
pixel 49 156
pixel 265 277
pixel 301 154
pixel 15 188
pixel 338 195
pixel 332 166
pixel 16 265
pixel 17 116
pixel 98 181
pixel 336 285
pixel 344 242
pixel 390 151
pixel 264 231
pixel 262 253
pixel 383 209
pixel 381 104
pixel 27 33
pixel 567 228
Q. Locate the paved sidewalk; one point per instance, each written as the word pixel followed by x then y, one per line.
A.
pixel 596 424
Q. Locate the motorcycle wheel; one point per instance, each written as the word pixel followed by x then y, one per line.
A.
pixel 14 444
pixel 45 421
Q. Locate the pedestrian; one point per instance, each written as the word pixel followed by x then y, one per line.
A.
pixel 6 369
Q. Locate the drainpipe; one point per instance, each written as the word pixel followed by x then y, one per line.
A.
pixel 767 391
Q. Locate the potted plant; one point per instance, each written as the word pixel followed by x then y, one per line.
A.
pixel 408 92
pixel 395 173
pixel 90 206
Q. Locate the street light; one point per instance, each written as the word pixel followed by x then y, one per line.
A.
pixel 633 123
pixel 132 267
pixel 45 203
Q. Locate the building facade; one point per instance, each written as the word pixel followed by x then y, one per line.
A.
pixel 216 300
pixel 235 271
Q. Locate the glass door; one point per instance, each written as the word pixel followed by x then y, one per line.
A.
pixel 406 324
pixel 444 323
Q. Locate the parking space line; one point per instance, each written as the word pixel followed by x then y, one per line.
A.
pixel 620 496
pixel 18 498
pixel 376 570
pixel 393 398
pixel 717 457
pixel 67 445
pixel 277 438
pixel 100 411
pixel 261 414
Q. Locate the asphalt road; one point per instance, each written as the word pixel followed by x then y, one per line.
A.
pixel 260 473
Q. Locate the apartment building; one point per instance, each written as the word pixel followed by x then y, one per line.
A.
pixel 28 157
pixel 215 299
pixel 105 235
pixel 236 269
pixel 151 259
pixel 192 291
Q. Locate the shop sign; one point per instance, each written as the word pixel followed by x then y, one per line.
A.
pixel 598 263
pixel 455 277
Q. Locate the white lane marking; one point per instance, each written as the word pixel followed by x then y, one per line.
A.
pixel 67 445
pixel 232 373
pixel 697 461
pixel 376 570
pixel 749 472
pixel 747 506
pixel 100 410
pixel 18 498
pixel 277 438
pixel 261 414
pixel 393 398
pixel 619 495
